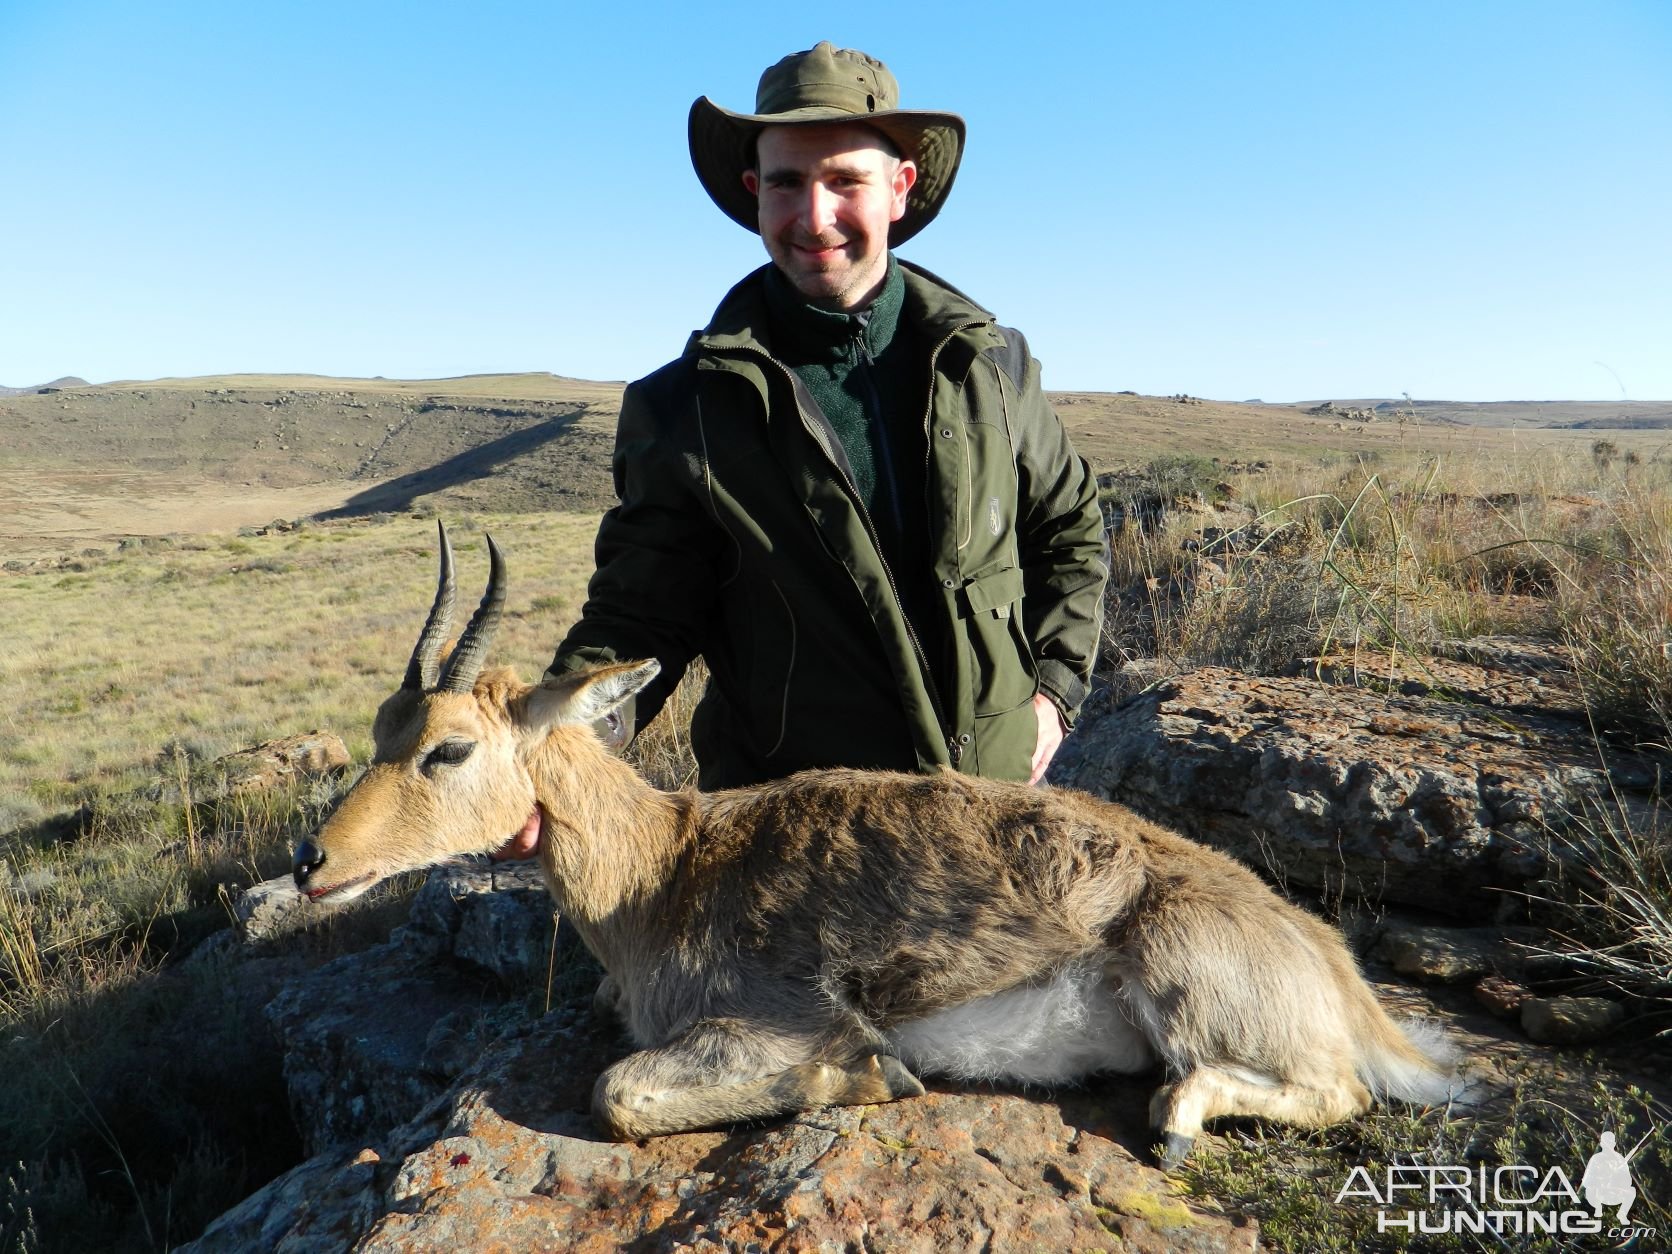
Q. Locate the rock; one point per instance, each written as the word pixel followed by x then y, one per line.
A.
pixel 370 1038
pixel 1503 997
pixel 1570 1020
pixel 267 766
pixel 271 909
pixel 1523 676
pixel 1430 803
pixel 1438 955
pixel 497 916
pixel 509 1158
pixel 358 1054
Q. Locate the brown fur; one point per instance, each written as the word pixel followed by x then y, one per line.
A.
pixel 762 944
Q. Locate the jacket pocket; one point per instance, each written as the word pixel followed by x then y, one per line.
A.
pixel 999 660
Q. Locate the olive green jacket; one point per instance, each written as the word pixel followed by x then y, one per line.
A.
pixel 739 538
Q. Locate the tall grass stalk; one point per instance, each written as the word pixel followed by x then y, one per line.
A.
pixel 1609 899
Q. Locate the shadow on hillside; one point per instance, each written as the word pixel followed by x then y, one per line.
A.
pixel 476 463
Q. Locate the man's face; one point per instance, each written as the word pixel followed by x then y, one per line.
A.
pixel 827 197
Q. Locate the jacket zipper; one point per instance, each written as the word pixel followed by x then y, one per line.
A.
pixel 954 748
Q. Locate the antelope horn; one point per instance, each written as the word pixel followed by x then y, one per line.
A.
pixel 421 671
pixel 466 662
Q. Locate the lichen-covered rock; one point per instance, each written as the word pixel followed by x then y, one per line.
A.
pixel 1503 997
pixel 1425 802
pixel 356 1035
pixel 1449 955
pixel 1508 673
pixel 509 1160
pixel 266 766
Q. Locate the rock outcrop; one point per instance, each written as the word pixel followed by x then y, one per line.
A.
pixel 444 1112
pixel 445 1101
pixel 1436 803
pixel 369 1039
pixel 509 1160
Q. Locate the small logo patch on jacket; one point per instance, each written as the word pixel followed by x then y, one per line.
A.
pixel 995 522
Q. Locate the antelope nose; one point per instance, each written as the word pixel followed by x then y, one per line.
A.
pixel 307 859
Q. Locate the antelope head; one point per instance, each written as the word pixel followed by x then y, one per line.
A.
pixel 449 773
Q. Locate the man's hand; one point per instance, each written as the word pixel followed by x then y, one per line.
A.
pixel 1051 731
pixel 525 844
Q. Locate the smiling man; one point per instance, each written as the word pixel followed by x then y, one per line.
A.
pixel 848 494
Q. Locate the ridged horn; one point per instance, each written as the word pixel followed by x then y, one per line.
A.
pixel 466 662
pixel 422 670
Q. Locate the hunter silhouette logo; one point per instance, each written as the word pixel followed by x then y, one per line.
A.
pixel 1513 1199
pixel 1607 1178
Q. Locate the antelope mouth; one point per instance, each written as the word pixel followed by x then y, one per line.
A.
pixel 342 891
pixel 525 842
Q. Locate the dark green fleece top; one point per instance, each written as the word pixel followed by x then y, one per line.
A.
pixel 867 374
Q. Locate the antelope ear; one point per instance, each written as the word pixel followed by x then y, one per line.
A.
pixel 585 696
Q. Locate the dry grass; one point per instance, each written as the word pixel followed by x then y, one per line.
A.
pixel 215 644
pixel 1546 1119
pixel 1404 554
pixel 1405 557
pixel 109 716
pixel 117 853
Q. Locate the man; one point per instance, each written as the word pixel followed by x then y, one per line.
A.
pixel 848 494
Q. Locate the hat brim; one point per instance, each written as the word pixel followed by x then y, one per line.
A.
pixel 723 147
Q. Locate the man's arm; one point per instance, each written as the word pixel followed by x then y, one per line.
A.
pixel 1063 551
pixel 657 551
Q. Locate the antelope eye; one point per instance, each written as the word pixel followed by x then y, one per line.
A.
pixel 448 753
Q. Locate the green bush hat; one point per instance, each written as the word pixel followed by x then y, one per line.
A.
pixel 826 84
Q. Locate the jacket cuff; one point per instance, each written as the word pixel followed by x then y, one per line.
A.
pixel 1065 688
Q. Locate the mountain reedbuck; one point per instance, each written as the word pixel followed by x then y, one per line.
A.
pixel 819 940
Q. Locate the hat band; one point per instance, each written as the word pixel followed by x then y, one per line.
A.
pixel 844 96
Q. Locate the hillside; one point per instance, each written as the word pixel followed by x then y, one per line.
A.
pixel 95 463
pixel 84 464
pixel 1577 415
pixel 68 381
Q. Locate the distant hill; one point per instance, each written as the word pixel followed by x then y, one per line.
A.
pixel 518 441
pixel 1544 415
pixel 68 381
pixel 81 463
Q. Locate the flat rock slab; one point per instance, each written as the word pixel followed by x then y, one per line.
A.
pixel 509 1160
pixel 1511 674
pixel 1432 803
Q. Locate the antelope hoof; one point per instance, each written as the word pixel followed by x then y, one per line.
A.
pixel 895 1077
pixel 1173 1149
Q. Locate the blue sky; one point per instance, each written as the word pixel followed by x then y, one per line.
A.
pixel 1286 201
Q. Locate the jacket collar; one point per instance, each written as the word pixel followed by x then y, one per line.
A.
pixel 804 333
pixel 742 320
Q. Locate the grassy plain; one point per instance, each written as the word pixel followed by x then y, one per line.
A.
pixel 127 673
pixel 128 668
pixel 215 643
